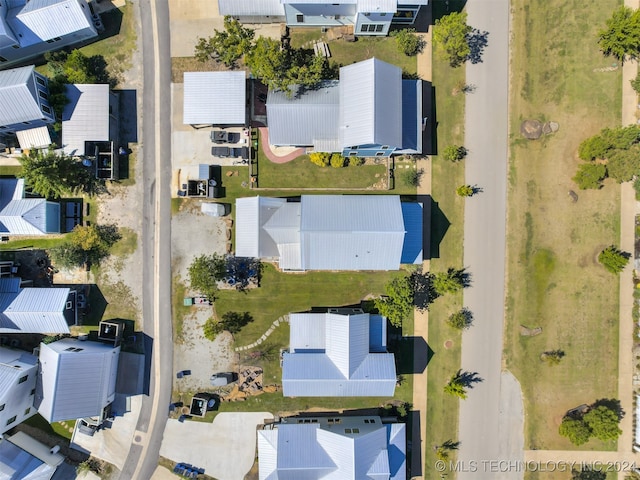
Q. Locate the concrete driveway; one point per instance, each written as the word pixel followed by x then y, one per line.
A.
pixel 226 448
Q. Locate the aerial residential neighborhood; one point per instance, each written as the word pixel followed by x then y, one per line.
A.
pixel 296 239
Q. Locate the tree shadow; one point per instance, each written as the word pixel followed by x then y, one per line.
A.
pixel 477 41
pixel 468 379
pixel 611 404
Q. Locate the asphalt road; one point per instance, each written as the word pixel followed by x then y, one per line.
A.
pixel 156 237
pixel 486 133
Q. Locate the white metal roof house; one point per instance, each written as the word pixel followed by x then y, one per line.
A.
pixel 330 232
pixel 26 216
pixel 24 458
pixel 77 379
pixel 367 17
pixel 339 353
pixel 344 448
pixel 24 100
pixel 35 310
pixel 29 28
pixel 18 372
pixel 215 98
pixel 370 112
pixel 90 115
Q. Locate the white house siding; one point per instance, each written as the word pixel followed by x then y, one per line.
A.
pixel 16 397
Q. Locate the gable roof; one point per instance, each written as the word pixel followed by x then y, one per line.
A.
pixel 348 450
pixel 322 232
pixel 251 8
pixel 216 98
pixel 307 119
pixel 371 103
pixel 331 354
pixel 32 310
pixel 74 384
pixel 17 96
pixel 25 216
pixel 47 19
pixel 85 117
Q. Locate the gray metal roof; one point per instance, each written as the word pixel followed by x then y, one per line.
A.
pixel 16 464
pixel 351 232
pixel 216 98
pixel 330 356
pixel 25 216
pixel 388 6
pixel 313 451
pixel 15 396
pixel 306 119
pixel 48 19
pixel 34 310
pixel 17 96
pixel 371 103
pixel 75 384
pixel 252 213
pixel 34 138
pixel 85 117
pixel 250 8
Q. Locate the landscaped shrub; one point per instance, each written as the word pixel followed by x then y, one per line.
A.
pixel 356 161
pixel 337 160
pixel 320 158
pixel 413 177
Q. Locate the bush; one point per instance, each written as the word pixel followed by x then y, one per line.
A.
pixel 454 153
pixel 321 159
pixel 356 161
pixel 635 83
pixel 464 191
pixel 413 177
pixel 461 320
pixel 408 41
pixel 613 259
pixel 337 160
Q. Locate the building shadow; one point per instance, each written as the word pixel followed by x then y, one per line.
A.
pixel 414 443
pixel 412 355
pixel 95 307
pixel 128 116
pixel 442 8
pixel 429 134
pixel 435 227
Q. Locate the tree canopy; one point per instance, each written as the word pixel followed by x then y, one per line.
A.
pixel 451 281
pixel 603 423
pixel 575 430
pixel 600 421
pixel 451 35
pixel 204 273
pixel 53 175
pixel 621 37
pixel 227 46
pixel 613 259
pixel 397 305
pixel 454 153
pixel 85 244
pixel 230 322
pixel 408 41
pixel 590 175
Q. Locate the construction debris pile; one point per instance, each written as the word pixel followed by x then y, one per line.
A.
pixel 249 384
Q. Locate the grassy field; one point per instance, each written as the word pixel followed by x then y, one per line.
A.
pixel 346 53
pixel 554 280
pixel 446 251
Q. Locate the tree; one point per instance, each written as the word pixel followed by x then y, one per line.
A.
pixel 450 281
pixel 586 473
pixel 204 273
pixel 613 259
pixel 454 153
pixel 397 305
pixel 456 386
pixel 52 175
pixel 621 38
pixel 464 191
pixel 603 423
pixel 450 34
pixel 226 46
pixel 460 320
pixel 320 158
pixel 552 357
pixel 270 62
pixel 635 84
pixel 408 41
pixel 576 430
pixel 442 451
pixel 593 148
pixel 230 322
pixel 624 165
pixel 413 177
pixel 601 145
pixel 85 244
pixel 590 175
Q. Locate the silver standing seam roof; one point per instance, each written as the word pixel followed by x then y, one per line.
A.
pixel 251 8
pixel 85 117
pixel 354 448
pixel 17 100
pixel 371 104
pixel 77 379
pixel 308 119
pixel 215 98
pixel 17 464
pixel 34 310
pixel 331 355
pixel 49 19
pixel 25 216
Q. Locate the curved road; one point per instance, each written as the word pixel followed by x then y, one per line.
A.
pixel 491 417
pixel 156 238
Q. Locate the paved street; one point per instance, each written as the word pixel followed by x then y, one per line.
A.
pixel 486 128
pixel 156 238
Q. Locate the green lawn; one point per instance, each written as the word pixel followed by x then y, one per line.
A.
pixel 346 53
pixel 447 231
pixel 554 280
pixel 60 429
pixel 9 170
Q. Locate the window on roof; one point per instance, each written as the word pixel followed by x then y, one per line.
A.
pixel 356 430
pixel 41 81
pixel 23 379
pixel 50 40
pixel 43 95
pixel 11 420
pixel 347 430
pixel 353 154
pixel 385 147
pixel 379 154
pixel 2 59
pixel 27 123
pixel 46 109
pixel 26 412
pixel 379 27
pixel 300 18
pixel 15 46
